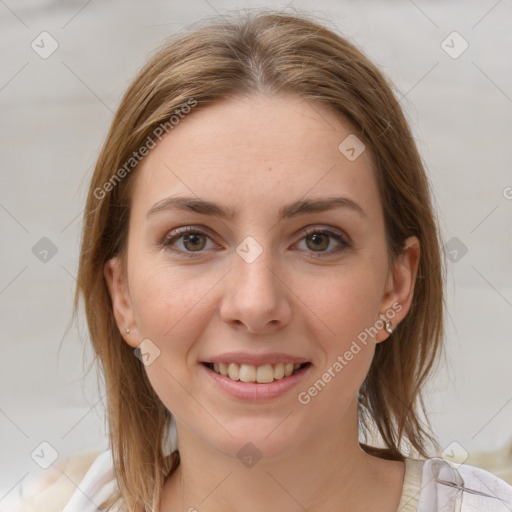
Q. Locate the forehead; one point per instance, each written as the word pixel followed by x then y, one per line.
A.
pixel 256 151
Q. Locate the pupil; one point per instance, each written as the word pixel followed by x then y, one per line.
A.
pixel 192 238
pixel 317 240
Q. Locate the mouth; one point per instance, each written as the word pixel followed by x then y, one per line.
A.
pixel 264 374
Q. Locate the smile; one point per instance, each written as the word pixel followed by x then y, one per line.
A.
pixel 263 374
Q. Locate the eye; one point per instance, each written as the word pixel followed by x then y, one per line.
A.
pixel 319 239
pixel 194 240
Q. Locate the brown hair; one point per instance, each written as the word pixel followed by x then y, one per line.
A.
pixel 273 53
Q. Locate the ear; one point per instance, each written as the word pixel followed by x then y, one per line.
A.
pixel 399 290
pixel 117 283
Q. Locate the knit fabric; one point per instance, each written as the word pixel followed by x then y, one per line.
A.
pixel 411 486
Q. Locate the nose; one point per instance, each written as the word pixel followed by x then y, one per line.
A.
pixel 256 296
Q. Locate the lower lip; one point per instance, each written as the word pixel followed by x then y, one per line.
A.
pixel 253 391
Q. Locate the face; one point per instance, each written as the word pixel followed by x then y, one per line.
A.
pixel 256 281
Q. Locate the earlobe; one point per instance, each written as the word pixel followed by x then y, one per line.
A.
pixel 120 298
pixel 400 287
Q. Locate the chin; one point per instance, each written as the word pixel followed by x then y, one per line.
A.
pixel 255 439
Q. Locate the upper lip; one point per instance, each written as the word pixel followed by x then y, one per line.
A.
pixel 255 359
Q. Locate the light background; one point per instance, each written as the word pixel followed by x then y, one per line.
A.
pixel 55 113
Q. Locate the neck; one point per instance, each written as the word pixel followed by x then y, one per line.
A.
pixel 331 472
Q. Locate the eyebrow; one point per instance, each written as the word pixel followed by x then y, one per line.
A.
pixel 288 211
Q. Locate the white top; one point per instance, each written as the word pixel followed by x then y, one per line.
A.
pixel 97 485
pixel 430 485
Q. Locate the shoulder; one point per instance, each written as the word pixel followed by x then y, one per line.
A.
pixel 462 487
pixel 52 490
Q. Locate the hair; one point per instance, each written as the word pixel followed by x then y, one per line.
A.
pixel 275 54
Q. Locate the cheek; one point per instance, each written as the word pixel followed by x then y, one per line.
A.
pixel 346 304
pixel 347 308
pixel 343 328
pixel 168 302
pixel 168 311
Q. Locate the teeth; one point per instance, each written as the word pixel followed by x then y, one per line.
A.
pixel 265 373
pixel 223 368
pixel 247 373
pixel 279 371
pixel 234 371
pixel 250 373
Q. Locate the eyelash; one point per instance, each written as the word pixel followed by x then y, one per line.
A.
pixel 176 234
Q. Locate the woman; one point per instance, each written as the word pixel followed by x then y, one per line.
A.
pixel 261 270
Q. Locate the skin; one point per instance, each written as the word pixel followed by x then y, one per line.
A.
pixel 257 154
